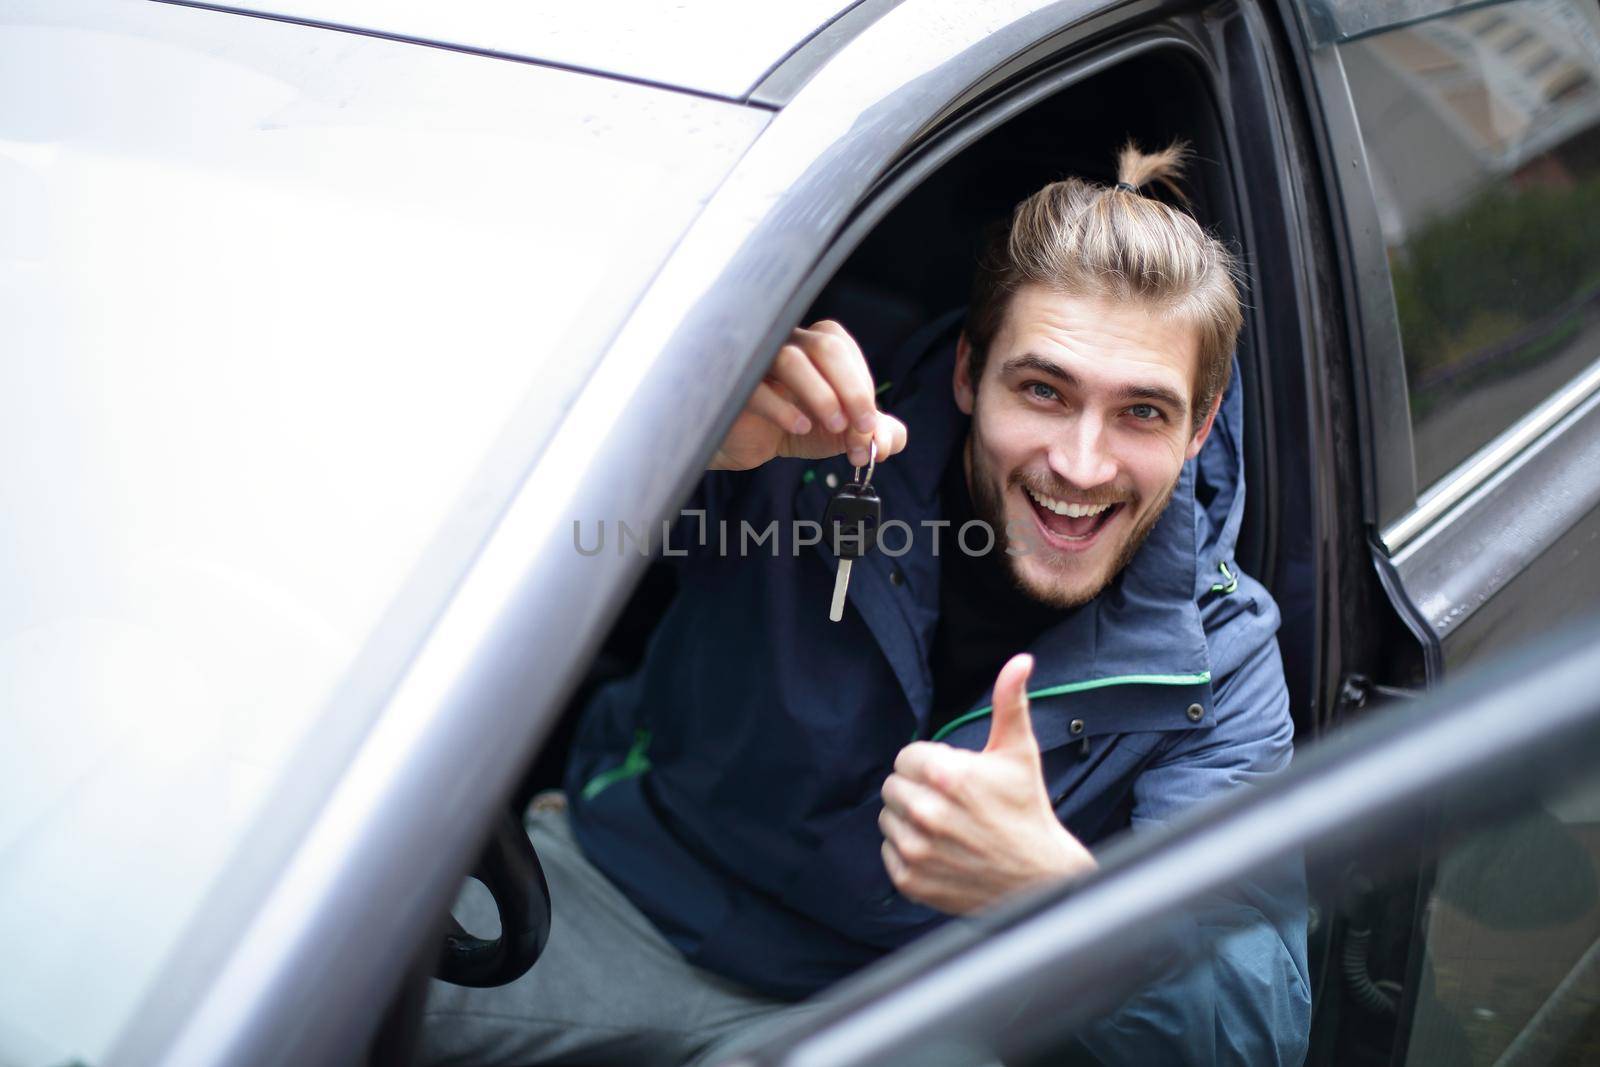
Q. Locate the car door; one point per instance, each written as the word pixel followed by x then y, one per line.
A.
pixel 1460 149
pixel 1500 744
pixel 1467 148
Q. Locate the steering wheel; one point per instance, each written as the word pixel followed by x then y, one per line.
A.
pixel 510 870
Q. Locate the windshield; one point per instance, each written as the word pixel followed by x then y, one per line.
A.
pixel 286 314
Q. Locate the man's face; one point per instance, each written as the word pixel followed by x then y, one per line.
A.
pixel 1081 424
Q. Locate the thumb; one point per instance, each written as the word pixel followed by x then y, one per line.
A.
pixel 1010 728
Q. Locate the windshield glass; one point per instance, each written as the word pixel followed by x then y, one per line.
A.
pixel 286 315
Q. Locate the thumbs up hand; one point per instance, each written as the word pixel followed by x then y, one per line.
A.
pixel 961 829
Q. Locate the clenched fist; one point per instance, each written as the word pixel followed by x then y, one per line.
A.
pixel 816 401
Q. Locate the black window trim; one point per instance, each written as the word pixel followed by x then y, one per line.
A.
pixel 1373 329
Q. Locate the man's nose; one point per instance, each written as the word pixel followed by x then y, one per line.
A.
pixel 1080 457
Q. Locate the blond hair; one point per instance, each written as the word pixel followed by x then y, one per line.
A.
pixel 1084 239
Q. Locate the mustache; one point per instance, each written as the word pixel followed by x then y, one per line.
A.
pixel 1058 491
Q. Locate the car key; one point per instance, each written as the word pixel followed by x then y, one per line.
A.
pixel 852 520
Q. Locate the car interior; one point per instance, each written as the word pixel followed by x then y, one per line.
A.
pixel 916 263
pixel 882 294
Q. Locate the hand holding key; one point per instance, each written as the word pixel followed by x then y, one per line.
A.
pixel 816 401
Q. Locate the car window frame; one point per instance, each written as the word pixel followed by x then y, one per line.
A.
pixel 1004 96
pixel 1340 535
pixel 1389 488
pixel 978 114
pixel 1286 340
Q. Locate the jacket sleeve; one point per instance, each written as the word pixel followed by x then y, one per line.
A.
pixel 1244 997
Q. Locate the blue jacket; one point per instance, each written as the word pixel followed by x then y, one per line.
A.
pixel 731 786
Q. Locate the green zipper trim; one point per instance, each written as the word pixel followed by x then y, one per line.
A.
pixel 1079 687
pixel 633 765
pixel 1228 586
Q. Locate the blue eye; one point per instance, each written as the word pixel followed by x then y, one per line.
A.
pixel 1041 391
pixel 1144 412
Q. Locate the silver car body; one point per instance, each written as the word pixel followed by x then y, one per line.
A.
pixel 307 375
pixel 310 373
pixel 717 47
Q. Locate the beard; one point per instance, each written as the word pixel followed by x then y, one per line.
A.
pixel 988 505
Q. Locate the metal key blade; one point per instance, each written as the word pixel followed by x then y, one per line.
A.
pixel 840 584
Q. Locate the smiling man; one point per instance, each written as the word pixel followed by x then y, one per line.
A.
pixel 1083 429
pixel 775 800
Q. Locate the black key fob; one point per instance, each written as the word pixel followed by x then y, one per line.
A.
pixel 851 520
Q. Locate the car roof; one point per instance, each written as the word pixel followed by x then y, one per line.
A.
pixel 718 47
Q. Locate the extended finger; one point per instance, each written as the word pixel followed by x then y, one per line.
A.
pixel 1010 728
pixel 890 435
pixel 839 358
pixel 780 411
pixel 794 370
pixel 836 356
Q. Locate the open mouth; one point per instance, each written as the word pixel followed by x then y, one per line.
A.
pixel 1075 524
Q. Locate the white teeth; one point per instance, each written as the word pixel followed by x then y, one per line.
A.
pixel 1071 511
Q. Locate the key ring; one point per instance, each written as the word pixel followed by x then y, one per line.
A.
pixel 872 462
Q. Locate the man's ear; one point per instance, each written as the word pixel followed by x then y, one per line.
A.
pixel 1198 441
pixel 961 382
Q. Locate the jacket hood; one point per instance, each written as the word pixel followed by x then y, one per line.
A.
pixel 1219 492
